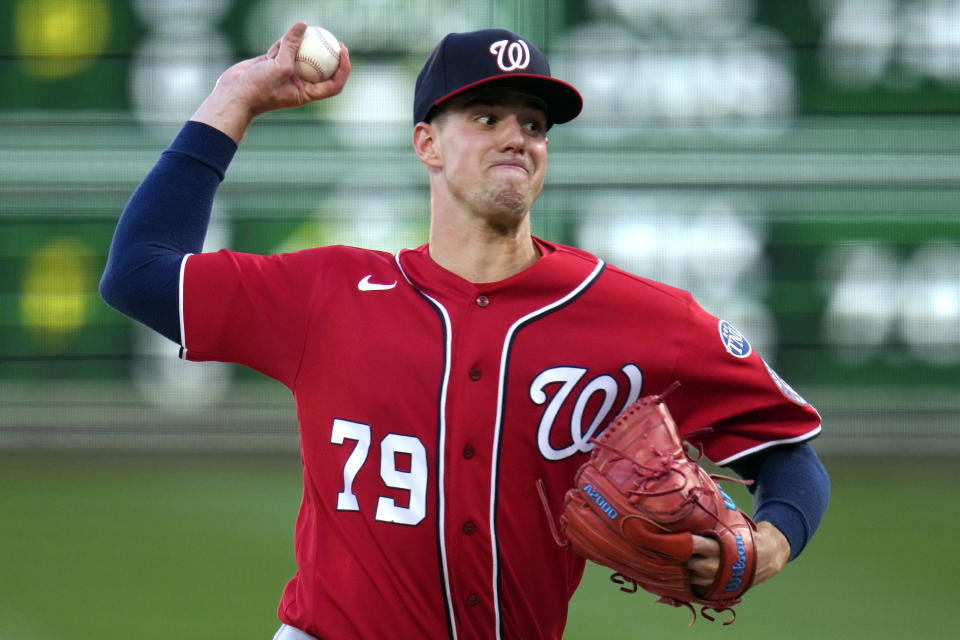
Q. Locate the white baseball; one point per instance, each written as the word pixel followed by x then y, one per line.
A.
pixel 318 56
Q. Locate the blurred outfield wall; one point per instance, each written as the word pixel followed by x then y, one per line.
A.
pixel 793 164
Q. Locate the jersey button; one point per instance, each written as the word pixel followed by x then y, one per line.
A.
pixel 473 600
pixel 469 528
pixel 483 301
pixel 468 452
pixel 475 374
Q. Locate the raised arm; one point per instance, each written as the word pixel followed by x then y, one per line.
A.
pixel 167 216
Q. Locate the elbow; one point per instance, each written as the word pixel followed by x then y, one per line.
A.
pixel 116 287
pixel 146 291
pixel 135 287
pixel 111 288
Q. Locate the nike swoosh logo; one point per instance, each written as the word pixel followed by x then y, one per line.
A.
pixel 366 285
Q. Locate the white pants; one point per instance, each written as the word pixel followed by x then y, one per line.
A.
pixel 287 632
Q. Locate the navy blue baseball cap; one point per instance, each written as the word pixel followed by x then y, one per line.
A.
pixel 491 57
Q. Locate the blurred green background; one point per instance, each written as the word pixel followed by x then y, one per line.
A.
pixel 795 165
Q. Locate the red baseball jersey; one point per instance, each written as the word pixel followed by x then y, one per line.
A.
pixel 429 407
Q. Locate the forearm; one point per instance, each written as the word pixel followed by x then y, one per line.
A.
pixel 791 491
pixel 165 219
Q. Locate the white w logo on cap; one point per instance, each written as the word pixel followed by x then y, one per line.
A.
pixel 517 54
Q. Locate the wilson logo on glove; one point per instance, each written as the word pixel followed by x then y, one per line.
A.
pixel 727 500
pixel 736 571
pixel 637 503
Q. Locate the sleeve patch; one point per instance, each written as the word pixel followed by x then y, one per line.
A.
pixel 733 341
pixel 785 388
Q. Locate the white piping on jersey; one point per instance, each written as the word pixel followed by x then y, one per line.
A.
pixel 496 435
pixel 499 423
pixel 766 445
pixel 183 334
pixel 441 502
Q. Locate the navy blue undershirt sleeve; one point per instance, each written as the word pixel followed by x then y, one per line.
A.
pixel 165 219
pixel 791 490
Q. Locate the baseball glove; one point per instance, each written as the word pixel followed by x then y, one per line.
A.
pixel 638 500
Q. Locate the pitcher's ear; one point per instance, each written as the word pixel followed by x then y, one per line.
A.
pixel 425 144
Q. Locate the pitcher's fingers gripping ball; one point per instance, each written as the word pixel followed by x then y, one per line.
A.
pixel 319 55
pixel 636 504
